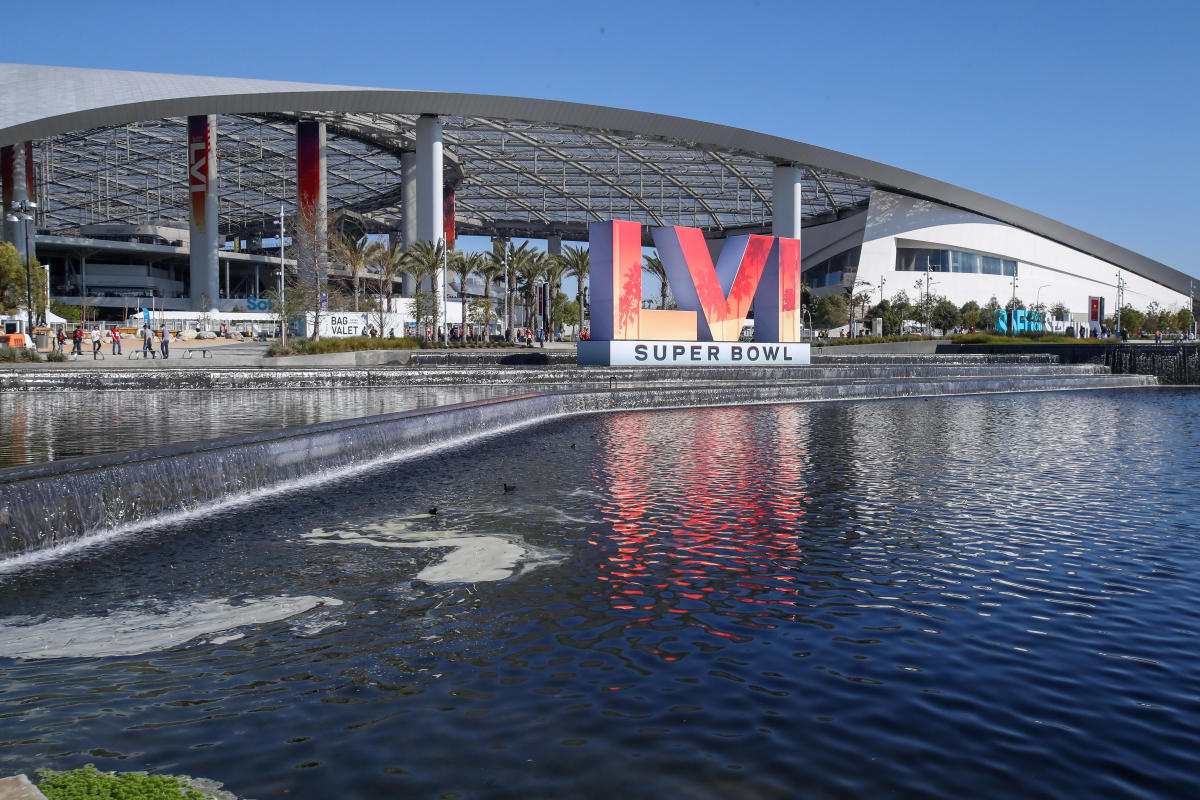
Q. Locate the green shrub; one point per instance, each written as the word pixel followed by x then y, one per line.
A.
pixel 1022 338
pixel 90 783
pixel 14 354
pixel 278 349
pixel 837 341
pixel 354 343
pixel 54 355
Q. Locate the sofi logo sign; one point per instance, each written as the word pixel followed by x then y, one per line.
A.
pixel 752 272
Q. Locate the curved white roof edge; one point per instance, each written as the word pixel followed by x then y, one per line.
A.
pixel 40 101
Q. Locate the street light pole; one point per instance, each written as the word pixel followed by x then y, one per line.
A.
pixel 20 213
pixel 1192 297
pixel 1013 308
pixel 282 283
pixel 1121 299
pixel 1037 302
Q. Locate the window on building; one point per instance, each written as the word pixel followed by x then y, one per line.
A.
pixel 831 271
pixel 922 259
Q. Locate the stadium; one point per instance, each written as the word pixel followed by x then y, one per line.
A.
pixel 141 189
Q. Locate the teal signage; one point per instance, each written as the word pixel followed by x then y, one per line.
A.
pixel 1020 321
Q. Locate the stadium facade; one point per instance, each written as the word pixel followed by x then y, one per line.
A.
pixel 162 189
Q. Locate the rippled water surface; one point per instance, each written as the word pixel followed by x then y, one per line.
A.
pixel 957 597
pixel 49 426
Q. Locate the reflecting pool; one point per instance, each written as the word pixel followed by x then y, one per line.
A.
pixel 50 426
pixel 950 597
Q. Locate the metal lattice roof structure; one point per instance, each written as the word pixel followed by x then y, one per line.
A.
pixel 510 178
pixel 110 147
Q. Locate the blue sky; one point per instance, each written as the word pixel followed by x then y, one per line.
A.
pixel 1086 112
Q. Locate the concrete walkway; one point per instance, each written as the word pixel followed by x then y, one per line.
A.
pixel 204 353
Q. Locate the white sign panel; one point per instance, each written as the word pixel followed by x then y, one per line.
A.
pixel 633 353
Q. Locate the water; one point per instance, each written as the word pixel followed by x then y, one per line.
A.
pixel 49 426
pixel 985 596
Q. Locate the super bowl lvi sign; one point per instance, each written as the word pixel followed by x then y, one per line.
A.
pixel 753 272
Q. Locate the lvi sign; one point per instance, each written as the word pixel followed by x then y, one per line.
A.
pixel 759 273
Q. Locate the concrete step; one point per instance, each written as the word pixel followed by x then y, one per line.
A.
pixel 18 787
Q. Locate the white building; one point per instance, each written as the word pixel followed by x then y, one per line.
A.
pixel 896 240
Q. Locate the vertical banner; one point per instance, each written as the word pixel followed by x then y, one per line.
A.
pixel 448 217
pixel 199 173
pixel 30 177
pixel 311 191
pixel 1095 310
pixel 202 188
pixel 31 194
pixel 6 178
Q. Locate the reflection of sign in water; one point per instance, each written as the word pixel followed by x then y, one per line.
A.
pixel 759 273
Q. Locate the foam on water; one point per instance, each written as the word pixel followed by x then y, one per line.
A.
pixel 472 557
pixel 131 631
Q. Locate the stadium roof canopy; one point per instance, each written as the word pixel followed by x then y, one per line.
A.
pixel 110 146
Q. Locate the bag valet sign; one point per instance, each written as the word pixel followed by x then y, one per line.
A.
pixel 714 300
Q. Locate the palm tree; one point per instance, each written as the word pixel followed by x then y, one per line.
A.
pixel 520 262
pixel 390 262
pixel 424 260
pixel 464 264
pixel 578 266
pixel 653 264
pixel 492 271
pixel 498 264
pixel 354 254
pixel 554 268
pixel 530 269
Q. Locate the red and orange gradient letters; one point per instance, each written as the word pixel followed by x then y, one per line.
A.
pixel 714 301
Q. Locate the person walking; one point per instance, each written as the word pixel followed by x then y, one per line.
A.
pixel 116 341
pixel 95 342
pixel 62 340
pixel 147 341
pixel 166 337
pixel 77 342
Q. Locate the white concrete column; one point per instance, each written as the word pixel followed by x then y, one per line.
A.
pixel 202 185
pixel 408 198
pixel 787 201
pixel 429 178
pixel 429 187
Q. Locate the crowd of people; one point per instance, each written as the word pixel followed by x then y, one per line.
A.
pixel 154 340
